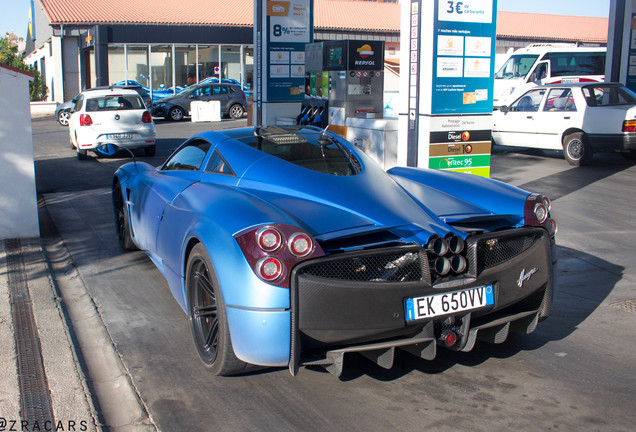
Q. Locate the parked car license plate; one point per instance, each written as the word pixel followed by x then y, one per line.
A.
pixel 120 136
pixel 442 304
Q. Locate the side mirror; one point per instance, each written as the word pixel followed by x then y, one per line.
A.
pixel 504 108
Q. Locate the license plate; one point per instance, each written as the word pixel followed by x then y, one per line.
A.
pixel 441 304
pixel 120 136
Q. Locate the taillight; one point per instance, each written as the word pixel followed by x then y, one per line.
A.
pixel 273 250
pixel 85 120
pixel 537 213
pixel 300 244
pixel 269 269
pixel 269 239
pixel 629 126
pixel 146 117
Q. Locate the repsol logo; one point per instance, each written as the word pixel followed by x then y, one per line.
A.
pixel 365 62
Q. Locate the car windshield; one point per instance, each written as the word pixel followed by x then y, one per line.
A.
pixel 307 148
pixel 114 103
pixel 517 66
pixel 600 95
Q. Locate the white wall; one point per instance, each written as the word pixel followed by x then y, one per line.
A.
pixel 18 202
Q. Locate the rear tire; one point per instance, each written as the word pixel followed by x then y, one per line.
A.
pixel 82 154
pixel 236 111
pixel 577 150
pixel 151 150
pixel 122 223
pixel 629 155
pixel 208 320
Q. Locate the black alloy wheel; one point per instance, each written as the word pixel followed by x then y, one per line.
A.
pixel 208 321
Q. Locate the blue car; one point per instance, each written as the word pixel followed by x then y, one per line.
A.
pixel 288 246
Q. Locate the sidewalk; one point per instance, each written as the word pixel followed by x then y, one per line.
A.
pixel 59 371
pixel 54 368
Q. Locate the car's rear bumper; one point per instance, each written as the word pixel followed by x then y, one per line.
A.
pixel 369 316
pixel 140 138
pixel 625 141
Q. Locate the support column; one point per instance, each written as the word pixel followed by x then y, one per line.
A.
pixel 101 55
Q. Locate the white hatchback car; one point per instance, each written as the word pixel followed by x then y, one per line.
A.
pixel 111 116
pixel 579 119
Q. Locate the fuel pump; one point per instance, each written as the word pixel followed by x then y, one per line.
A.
pixel 346 79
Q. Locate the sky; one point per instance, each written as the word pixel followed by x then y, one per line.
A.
pixel 15 13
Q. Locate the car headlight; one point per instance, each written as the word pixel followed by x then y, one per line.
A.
pixel 159 105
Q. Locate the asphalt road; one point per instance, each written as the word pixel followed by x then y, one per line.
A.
pixel 576 372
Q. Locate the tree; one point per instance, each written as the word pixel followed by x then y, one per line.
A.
pixel 8 55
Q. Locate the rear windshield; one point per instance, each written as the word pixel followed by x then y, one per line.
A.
pixel 600 95
pixel 306 148
pixel 114 103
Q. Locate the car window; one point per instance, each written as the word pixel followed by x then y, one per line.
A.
pixel 219 165
pixel 529 101
pixel 78 102
pixel 305 148
pixel 202 91
pixel 560 100
pixel 599 95
pixel 114 102
pixel 220 90
pixel 188 158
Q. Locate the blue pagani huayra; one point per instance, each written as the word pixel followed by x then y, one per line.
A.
pixel 289 246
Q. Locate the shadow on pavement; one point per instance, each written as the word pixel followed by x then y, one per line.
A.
pixel 564 182
pixel 584 283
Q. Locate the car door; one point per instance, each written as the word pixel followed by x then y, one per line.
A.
pixel 159 187
pixel 202 93
pixel 516 125
pixel 222 94
pixel 557 114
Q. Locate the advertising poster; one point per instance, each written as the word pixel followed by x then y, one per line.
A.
pixel 289 29
pixel 464 35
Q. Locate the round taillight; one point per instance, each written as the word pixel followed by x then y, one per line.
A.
pixel 546 201
pixel 269 239
pixel 300 244
pixel 449 338
pixel 269 268
pixel 540 212
pixel 552 227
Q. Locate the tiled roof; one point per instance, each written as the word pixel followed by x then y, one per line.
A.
pixel 328 14
pixel 551 27
pixel 194 12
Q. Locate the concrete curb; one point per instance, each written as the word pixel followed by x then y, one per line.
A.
pixel 115 398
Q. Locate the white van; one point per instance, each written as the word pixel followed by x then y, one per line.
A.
pixel 540 64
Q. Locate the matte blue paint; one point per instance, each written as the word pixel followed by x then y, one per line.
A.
pixel 169 209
